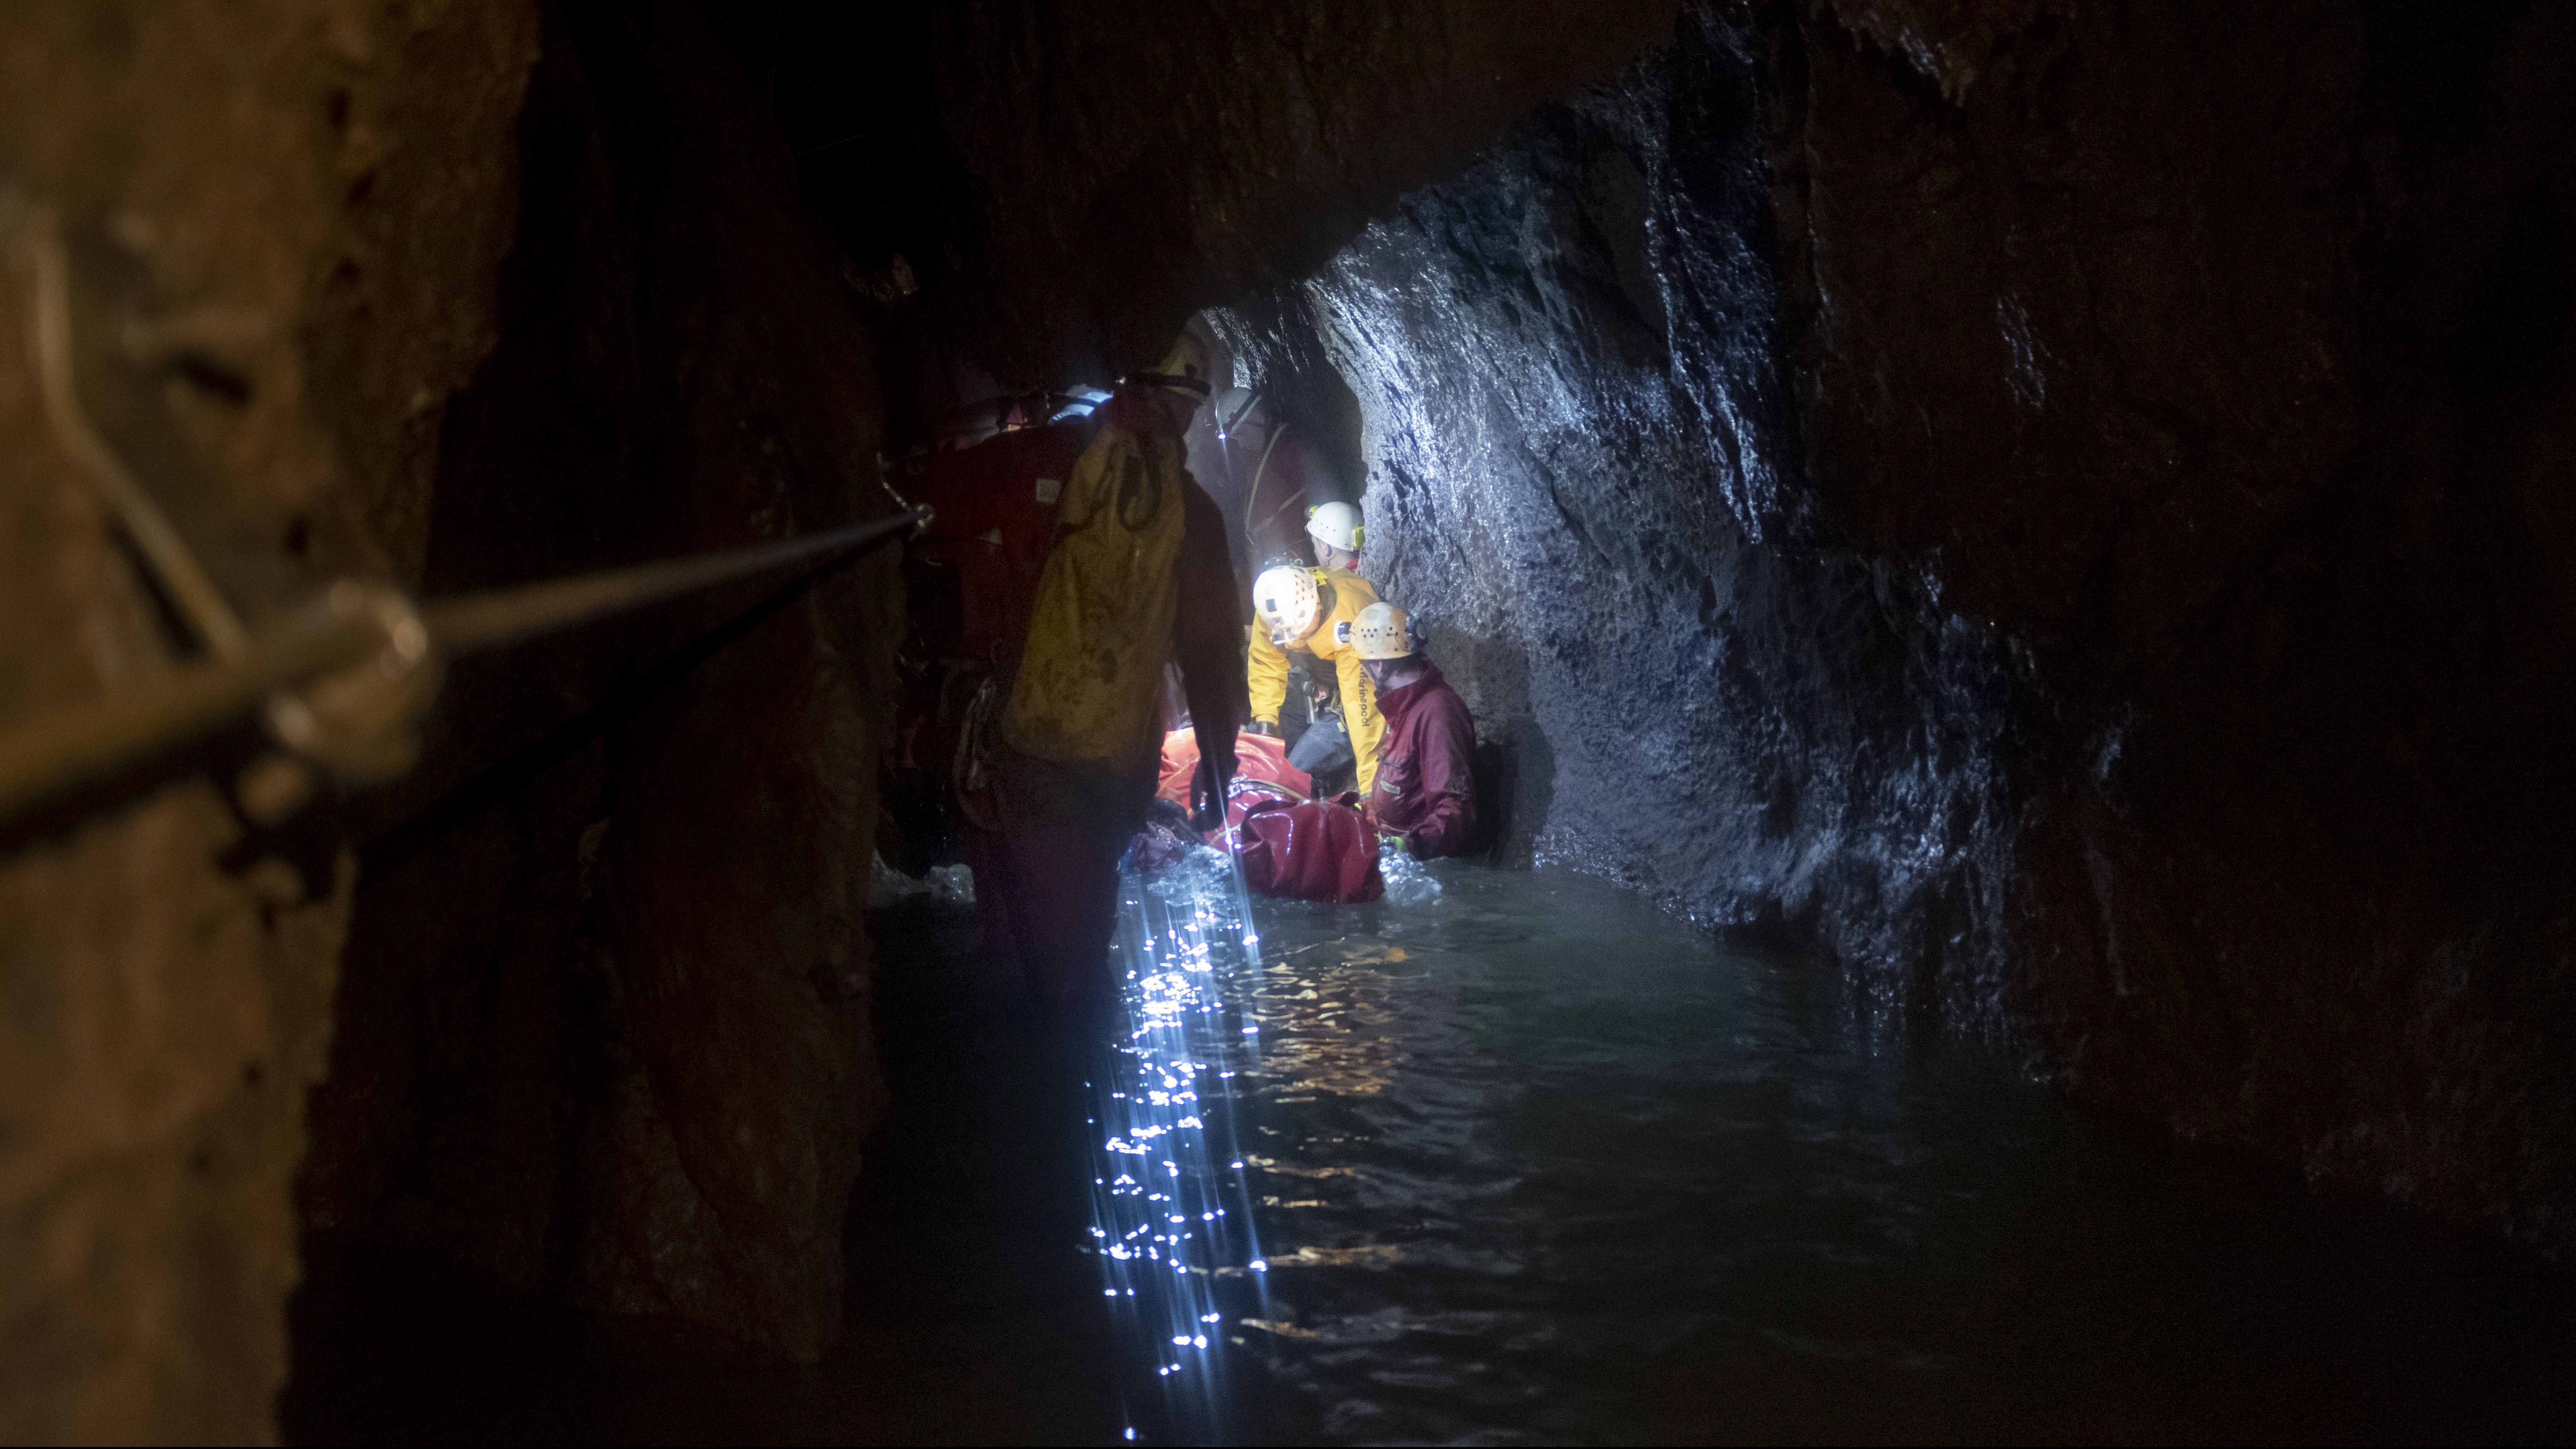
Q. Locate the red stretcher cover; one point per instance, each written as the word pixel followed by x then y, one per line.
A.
pixel 1315 850
pixel 1298 849
pixel 1256 757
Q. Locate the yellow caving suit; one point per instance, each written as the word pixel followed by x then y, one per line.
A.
pixel 1091 676
pixel 1082 733
pixel 1266 670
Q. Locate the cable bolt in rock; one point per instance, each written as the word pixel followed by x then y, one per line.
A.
pixel 361 668
pixel 343 683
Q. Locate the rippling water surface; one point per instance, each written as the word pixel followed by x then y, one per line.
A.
pixel 1534 1162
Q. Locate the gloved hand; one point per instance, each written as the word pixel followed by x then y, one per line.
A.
pixel 1261 727
pixel 1207 792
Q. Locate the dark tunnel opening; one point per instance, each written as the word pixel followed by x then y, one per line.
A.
pixel 2007 564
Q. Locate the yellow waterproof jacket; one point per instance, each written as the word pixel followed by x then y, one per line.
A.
pixel 1266 670
pixel 1090 683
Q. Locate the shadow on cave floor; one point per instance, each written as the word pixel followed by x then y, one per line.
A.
pixel 973 1317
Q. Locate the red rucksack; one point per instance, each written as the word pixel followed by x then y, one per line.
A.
pixel 1311 850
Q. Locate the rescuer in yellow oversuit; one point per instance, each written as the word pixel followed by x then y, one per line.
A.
pixel 1311 611
pixel 1137 577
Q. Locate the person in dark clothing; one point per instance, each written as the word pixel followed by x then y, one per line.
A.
pixel 1425 792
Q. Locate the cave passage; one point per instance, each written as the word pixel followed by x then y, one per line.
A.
pixel 2008 569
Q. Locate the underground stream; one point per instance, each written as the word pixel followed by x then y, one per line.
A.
pixel 1518 1158
pixel 1508 1157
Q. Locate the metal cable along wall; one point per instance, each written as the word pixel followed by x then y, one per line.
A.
pixel 342 683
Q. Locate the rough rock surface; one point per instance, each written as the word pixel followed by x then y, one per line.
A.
pixel 277 192
pixel 603 1015
pixel 2068 506
pixel 1068 182
pixel 1578 436
pixel 2225 358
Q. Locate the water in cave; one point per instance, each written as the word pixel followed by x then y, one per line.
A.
pixel 1533 1162
pixel 1528 1161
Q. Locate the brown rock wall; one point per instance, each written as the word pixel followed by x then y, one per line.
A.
pixel 169 974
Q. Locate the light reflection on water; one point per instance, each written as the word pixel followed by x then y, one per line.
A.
pixel 1171 1212
pixel 1534 1162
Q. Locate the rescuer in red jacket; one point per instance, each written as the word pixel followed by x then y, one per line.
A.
pixel 969 580
pixel 1425 792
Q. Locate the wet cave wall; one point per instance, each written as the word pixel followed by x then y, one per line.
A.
pixel 602 1022
pixel 1582 454
pixel 1065 184
pixel 2063 509
pixel 2264 450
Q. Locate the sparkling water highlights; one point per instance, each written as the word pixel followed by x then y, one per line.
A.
pixel 1171 1214
pixel 1534 1162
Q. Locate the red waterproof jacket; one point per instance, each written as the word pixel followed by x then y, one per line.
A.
pixel 1425 791
pixel 995 505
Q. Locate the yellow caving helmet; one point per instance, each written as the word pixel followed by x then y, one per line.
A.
pixel 1382 631
pixel 1288 602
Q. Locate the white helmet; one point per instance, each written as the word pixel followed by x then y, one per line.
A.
pixel 1233 406
pixel 1287 601
pixel 1337 524
pixel 1184 369
pixel 1382 631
